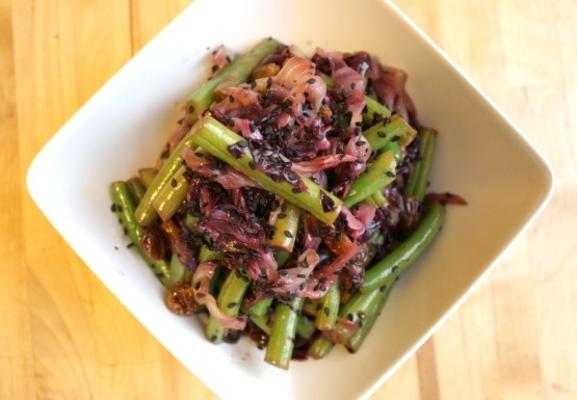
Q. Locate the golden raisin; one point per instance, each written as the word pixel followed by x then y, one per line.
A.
pixel 265 71
pixel 179 299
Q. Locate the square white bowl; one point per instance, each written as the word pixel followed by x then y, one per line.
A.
pixel 481 156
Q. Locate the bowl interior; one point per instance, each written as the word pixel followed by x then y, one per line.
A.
pixel 123 127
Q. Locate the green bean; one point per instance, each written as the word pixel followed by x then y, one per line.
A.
pixel 281 340
pixel 329 309
pixel 171 196
pixel 285 228
pixel 123 204
pixel 305 327
pixel 320 347
pixel 216 138
pixel 311 307
pixel 418 181
pixel 178 272
pixel 281 257
pixel 233 74
pixel 147 175
pixel 145 212
pixel 372 108
pixel 190 221
pixel 207 254
pixel 382 133
pixel 229 301
pixel 393 264
pixel 136 188
pixel 378 175
pixel 378 198
pixel 262 322
pixel 355 341
pixel 261 307
pixel 359 304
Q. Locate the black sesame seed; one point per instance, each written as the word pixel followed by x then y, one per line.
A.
pixel 327 311
pixel 288 234
pixel 301 276
pixel 214 68
pixel 129 245
pixel 381 134
pixel 113 207
pixel 395 269
pixel 213 339
pixel 190 109
pixel 395 139
pixel 115 247
pixel 296 190
pixel 362 315
pixel 311 81
pixel 319 306
pixel 390 174
pixel 268 83
pixel 350 317
pixel 173 182
pixel 231 305
pixel 252 164
pixel 281 216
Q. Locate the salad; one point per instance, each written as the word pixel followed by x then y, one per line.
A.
pixel 289 200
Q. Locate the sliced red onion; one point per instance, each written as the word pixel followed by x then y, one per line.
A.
pixel 200 285
pixel 356 227
pixel 321 163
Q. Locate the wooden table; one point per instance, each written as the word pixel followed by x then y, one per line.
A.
pixel 63 335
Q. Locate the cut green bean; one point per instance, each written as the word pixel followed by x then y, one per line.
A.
pixel 136 188
pixel 262 322
pixel 374 108
pixel 190 221
pixel 206 254
pixel 285 228
pixel 378 198
pixel 281 257
pixel 305 327
pixel 382 133
pixel 178 272
pixel 171 196
pixel 378 175
pixel 145 212
pixel 233 74
pixel 147 175
pixel 329 309
pixel 386 271
pixel 216 138
pixel 124 205
pixel 261 307
pixel 320 347
pixel 355 341
pixel 311 307
pixel 419 179
pixel 229 301
pixel 281 341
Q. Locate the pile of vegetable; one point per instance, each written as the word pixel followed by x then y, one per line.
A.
pixel 289 200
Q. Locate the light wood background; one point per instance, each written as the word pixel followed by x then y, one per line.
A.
pixel 64 336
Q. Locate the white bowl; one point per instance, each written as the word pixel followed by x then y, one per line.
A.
pixel 481 156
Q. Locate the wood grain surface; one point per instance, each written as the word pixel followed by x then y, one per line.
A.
pixel 64 336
